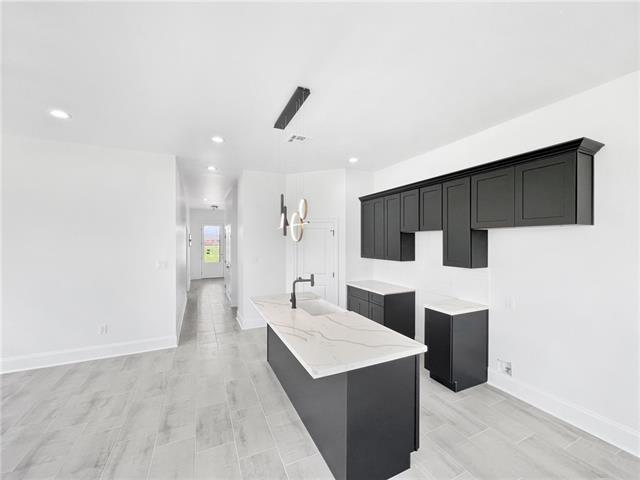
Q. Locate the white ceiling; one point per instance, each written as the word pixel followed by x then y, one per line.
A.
pixel 388 81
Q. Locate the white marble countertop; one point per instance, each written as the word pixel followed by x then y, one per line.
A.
pixel 455 306
pixel 380 288
pixel 332 340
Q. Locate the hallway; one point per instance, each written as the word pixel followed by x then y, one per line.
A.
pixel 180 413
pixel 212 408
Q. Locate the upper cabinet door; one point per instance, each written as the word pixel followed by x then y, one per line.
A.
pixel 546 191
pixel 431 208
pixel 462 247
pixel 379 231
pixel 367 229
pixel 392 227
pixel 456 223
pixel 410 211
pixel 492 199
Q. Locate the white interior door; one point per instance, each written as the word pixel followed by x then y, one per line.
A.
pixel 317 254
pixel 212 255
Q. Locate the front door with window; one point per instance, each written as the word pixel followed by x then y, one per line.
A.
pixel 212 251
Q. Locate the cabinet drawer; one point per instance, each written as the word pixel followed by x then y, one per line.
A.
pixel 358 292
pixel 376 298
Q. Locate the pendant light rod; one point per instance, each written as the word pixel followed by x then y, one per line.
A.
pixel 293 105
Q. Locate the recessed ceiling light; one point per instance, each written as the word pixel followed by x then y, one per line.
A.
pixel 217 139
pixel 211 168
pixel 61 114
pixel 353 160
pixel 205 200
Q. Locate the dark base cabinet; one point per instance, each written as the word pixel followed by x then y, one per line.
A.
pixel 396 311
pixel 458 348
pixel 365 422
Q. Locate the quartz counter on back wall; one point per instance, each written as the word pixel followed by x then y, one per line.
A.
pixel 390 305
pixel 354 383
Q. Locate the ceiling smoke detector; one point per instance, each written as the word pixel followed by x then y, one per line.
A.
pixel 297 139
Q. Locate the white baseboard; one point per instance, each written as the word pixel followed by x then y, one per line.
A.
pixel 608 430
pixel 180 318
pixel 62 357
pixel 251 322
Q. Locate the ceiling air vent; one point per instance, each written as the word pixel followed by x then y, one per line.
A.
pixel 297 139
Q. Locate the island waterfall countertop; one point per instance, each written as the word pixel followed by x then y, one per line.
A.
pixel 455 306
pixel 328 340
pixel 381 288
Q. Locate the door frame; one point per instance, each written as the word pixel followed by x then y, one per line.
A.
pixel 221 248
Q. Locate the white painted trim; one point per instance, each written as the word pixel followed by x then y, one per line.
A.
pixel 608 430
pixel 249 323
pixel 63 357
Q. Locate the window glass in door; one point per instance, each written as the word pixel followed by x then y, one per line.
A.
pixel 211 243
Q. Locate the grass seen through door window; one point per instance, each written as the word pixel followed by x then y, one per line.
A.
pixel 211 237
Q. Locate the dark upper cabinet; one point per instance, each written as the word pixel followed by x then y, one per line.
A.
pixel 462 247
pixel 545 191
pixel 410 211
pixel 392 227
pixel 431 208
pixel 379 232
pixel 367 229
pixel 492 199
pixel 548 186
pixel 381 235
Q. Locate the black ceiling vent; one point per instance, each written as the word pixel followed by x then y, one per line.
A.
pixel 293 105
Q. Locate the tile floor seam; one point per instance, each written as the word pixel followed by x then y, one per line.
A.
pixel 269 427
pixel 106 463
pixel 155 447
pixel 233 430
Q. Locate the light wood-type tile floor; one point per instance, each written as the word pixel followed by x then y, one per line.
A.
pixel 213 409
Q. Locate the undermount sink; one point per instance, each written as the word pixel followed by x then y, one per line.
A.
pixel 318 307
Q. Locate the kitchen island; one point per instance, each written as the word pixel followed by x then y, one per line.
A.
pixel 353 382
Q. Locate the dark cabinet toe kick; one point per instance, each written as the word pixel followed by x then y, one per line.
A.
pixel 365 422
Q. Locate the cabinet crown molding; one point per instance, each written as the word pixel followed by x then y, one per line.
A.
pixel 582 144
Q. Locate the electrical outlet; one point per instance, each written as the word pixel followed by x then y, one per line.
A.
pixel 505 367
pixel 104 329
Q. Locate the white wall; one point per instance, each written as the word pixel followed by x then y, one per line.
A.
pixel 183 280
pixel 261 246
pixel 88 239
pixel 231 255
pixel 357 184
pixel 572 328
pixel 198 217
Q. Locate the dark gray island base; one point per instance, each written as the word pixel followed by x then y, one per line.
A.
pixel 364 421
